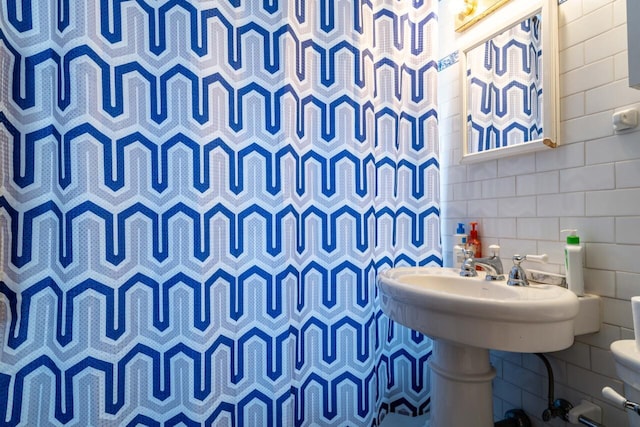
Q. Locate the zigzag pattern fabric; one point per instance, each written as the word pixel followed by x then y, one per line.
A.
pixel 505 95
pixel 195 201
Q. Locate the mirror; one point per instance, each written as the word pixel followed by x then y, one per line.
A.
pixel 509 78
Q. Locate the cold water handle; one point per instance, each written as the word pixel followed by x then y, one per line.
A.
pixel 517 275
pixel 615 397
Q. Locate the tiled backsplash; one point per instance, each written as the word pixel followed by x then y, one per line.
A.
pixel 590 182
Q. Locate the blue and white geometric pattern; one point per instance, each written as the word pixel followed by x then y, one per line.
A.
pixel 195 201
pixel 505 95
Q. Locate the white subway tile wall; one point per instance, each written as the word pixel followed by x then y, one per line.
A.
pixel 538 183
pixel 572 106
pixel 590 182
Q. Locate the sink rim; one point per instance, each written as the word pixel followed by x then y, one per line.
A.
pixel 530 304
pixel 542 323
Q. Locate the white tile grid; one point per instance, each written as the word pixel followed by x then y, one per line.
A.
pixel 587 77
pixel 610 95
pixel 482 208
pixel 585 128
pixel 622 202
pixel 561 204
pixel 572 106
pixel 499 187
pixel 592 229
pixel 626 334
pixel 603 362
pixel 571 58
pixel 538 183
pixel 517 166
pixel 627 174
pixel 606 44
pixel 565 156
pixel 588 178
pixel 627 233
pixel 589 6
pixel 619 12
pixel 591 182
pixel 628 285
pixel 517 206
pixel 608 333
pixel 620 147
pixel 600 282
pixel 446 193
pixel 501 228
pixel 468 190
pixel 621 66
pixel 587 26
pixel 538 228
pixel 555 252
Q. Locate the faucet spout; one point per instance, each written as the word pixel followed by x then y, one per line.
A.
pixel 492 265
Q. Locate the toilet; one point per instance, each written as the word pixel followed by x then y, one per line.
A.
pixel 627 360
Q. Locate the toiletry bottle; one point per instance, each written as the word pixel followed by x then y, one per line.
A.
pixel 473 242
pixel 573 263
pixel 460 243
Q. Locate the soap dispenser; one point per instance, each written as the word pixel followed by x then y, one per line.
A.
pixel 573 263
pixel 460 243
pixel 473 243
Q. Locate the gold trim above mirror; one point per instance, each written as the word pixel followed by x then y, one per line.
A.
pixel 472 11
pixel 508 111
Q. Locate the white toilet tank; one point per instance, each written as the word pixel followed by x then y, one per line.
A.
pixel 627 360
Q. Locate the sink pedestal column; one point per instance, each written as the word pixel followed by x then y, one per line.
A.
pixel 461 392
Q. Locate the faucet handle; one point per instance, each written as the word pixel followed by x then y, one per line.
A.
pixel 495 250
pixel 542 259
pixel 517 259
pixel 468 268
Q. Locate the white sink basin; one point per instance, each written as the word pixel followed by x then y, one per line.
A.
pixel 467 316
pixel 475 312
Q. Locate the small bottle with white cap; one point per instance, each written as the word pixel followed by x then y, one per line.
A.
pixel 573 263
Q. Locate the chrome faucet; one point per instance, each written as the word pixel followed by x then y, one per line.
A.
pixel 492 264
pixel 517 275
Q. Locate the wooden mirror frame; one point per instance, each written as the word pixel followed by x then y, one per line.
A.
pixel 514 13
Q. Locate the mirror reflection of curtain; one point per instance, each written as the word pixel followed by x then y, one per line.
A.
pixel 505 88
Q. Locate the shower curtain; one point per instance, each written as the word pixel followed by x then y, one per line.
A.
pixel 504 76
pixel 195 201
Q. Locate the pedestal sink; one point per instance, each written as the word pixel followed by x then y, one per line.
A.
pixel 467 316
